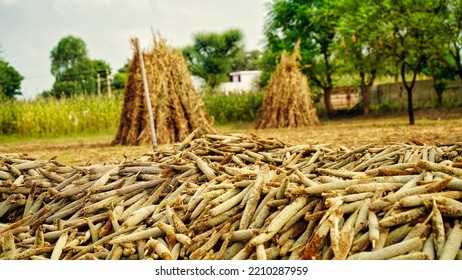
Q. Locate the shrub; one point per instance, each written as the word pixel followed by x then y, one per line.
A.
pixel 233 107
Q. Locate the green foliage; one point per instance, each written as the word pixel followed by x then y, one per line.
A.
pixel 246 60
pixel 442 75
pixel 366 38
pixel 314 23
pixel 121 77
pixel 361 42
pixel 385 107
pixel 415 30
pixel 451 49
pixel 234 107
pixel 82 114
pixel 10 81
pixel 73 70
pixel 211 56
pixel 57 117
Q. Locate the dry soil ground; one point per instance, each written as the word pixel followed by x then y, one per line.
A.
pixel 432 127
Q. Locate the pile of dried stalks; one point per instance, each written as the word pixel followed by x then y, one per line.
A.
pixel 287 101
pixel 178 109
pixel 238 197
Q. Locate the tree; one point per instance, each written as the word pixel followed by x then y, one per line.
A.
pixel 314 23
pixel 74 71
pixel 102 69
pixel 415 29
pixel 10 80
pixel 212 55
pixel 362 42
pixel 121 77
pixel 451 51
pixel 246 60
pixel 442 75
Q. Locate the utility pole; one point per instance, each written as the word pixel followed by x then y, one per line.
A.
pixel 108 80
pixel 98 82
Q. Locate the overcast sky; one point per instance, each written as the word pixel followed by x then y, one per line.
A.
pixel 30 29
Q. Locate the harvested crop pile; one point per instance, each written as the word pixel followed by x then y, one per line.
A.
pixel 177 108
pixel 238 197
pixel 287 101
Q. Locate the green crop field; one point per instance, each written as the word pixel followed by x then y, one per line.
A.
pixel 67 116
pixel 86 115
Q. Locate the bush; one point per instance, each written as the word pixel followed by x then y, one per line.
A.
pixel 233 107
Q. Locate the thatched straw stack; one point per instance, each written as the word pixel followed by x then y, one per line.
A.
pixel 178 109
pixel 287 101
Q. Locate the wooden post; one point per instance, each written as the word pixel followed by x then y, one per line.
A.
pixel 147 97
pixel 108 81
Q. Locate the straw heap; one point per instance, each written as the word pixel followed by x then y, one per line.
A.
pixel 177 107
pixel 287 101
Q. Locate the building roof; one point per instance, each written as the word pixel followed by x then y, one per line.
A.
pixel 245 72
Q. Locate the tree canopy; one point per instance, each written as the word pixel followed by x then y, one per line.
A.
pixel 366 38
pixel 121 77
pixel 361 47
pixel 74 71
pixel 314 23
pixel 451 49
pixel 212 54
pixel 10 81
pixel 415 29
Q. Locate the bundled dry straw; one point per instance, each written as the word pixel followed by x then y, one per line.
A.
pixel 287 101
pixel 177 107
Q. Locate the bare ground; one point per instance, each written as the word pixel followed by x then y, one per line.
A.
pixel 432 127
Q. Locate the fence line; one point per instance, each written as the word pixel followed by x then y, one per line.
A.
pixel 346 97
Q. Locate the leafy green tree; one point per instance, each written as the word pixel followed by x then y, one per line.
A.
pixel 246 60
pixel 10 81
pixel 101 68
pixel 314 23
pixel 442 75
pixel 212 55
pixel 362 46
pixel 451 51
pixel 121 77
pixel 415 29
pixel 74 71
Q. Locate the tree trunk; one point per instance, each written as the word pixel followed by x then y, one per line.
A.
pixel 410 108
pixel 366 90
pixel 328 85
pixel 439 97
pixel 439 86
pixel 327 101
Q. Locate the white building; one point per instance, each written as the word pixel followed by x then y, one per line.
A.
pixel 241 81
pixel 198 83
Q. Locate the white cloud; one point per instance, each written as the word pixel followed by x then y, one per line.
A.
pixel 138 5
pixel 31 51
pixel 61 6
pixel 9 2
pixel 64 6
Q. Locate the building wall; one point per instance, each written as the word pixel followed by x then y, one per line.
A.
pixel 423 93
pixel 241 81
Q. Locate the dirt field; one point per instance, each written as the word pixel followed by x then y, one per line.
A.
pixel 431 128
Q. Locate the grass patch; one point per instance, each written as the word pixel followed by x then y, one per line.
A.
pixel 233 107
